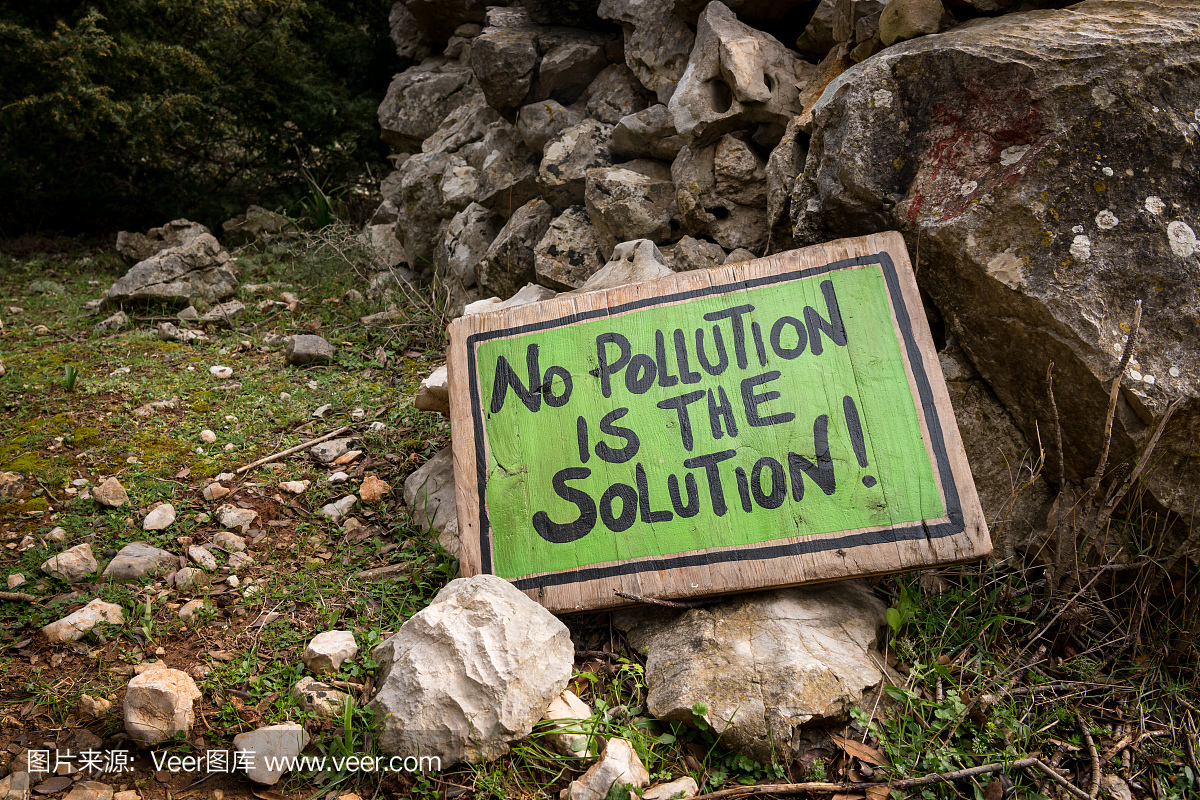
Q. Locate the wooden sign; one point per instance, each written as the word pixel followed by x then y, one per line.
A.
pixel 774 422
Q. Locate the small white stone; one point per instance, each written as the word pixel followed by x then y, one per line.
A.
pixel 338 477
pixel 1148 379
pixel 378 426
pixel 294 487
pixel 229 448
pixel 234 581
pixel 15 580
pixel 327 651
pixel 968 187
pixel 322 411
pixel 57 535
pixel 1133 373
pixel 312 384
pixel 275 744
pixel 1108 173
pixel 207 436
pixel 284 396
pixel 1077 229
pixel 1173 372
pixel 357 414
pixel 160 518
pixel 220 372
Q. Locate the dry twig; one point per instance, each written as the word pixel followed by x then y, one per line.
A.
pixel 18 597
pixel 290 450
pixel 654 601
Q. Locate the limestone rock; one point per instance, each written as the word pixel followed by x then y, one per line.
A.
pixel 508 172
pixel 736 76
pixel 197 269
pixel 10 484
pixel 688 254
pixel 295 487
pixel 329 451
pixel 274 743
pixel 158 705
pixel 721 193
pixel 649 133
pixel 538 123
pixel 567 715
pixel 71 565
pixel 738 256
pixel 223 314
pixel 505 62
pixel 326 651
pixel 72 627
pixel 160 518
pixel 308 349
pixel 373 489
pixel 339 509
pixel 462 127
pixel 419 98
pixel 569 253
pixel 438 20
pixel 90 790
pixel 625 205
pixel 679 788
pixel 631 262
pixel 89 708
pixel 570 61
pixel 780 658
pixel 321 699
pixel 817 39
pixel 847 14
pixel 474 626
pixel 410 41
pixel 110 493
pixel 657 42
pixel 619 765
pixel 15 786
pixel 509 261
pixel 907 19
pixel 113 323
pixel 202 557
pixel 229 542
pixel 231 516
pixel 466 240
pixel 529 293
pixel 138 559
pixel 191 580
pixel 615 94
pixel 1027 236
pixel 215 491
pixel 170 333
pixel 135 247
pixel 459 184
pixel 567 157
pixel 785 163
pixel 434 392
pixel 429 495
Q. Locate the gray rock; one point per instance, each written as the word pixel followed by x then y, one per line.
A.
pixel 429 495
pixel 229 542
pixel 736 76
pixel 92 307
pixel 689 254
pixel 15 786
pixel 275 744
pixel 657 42
pixel 339 509
pixel 223 314
pixel 328 452
pixel 238 561
pixel 434 392
pixel 190 579
pixel 459 183
pixel 567 157
pixel 568 729
pixel 615 94
pixel 112 324
pixel 785 163
pixel 508 172
pixel 305 349
pixel 631 262
pixel 721 193
pixel 406 33
pixel 569 253
pixel 234 517
pixel 684 787
pixel 817 39
pixel 907 19
pixel 781 659
pixel 466 240
pixel 474 626
pixel 198 269
pixel 419 205
pixel 625 205
pixel 738 256
pixel 505 62
pixel 419 98
pixel 326 651
pixel 203 557
pixel 570 61
pixel 463 126
pixel 509 261
pixel 258 225
pixel 72 627
pixel 1026 239
pixel 137 560
pixel 71 565
pixel 158 706
pixel 848 13
pixel 170 333
pixel 135 247
pixel 384 248
pixel 160 518
pixel 649 133
pixel 539 122
pixel 320 699
pixel 618 766
pixel 528 294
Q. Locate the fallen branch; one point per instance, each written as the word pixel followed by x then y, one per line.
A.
pixel 290 450
pixel 18 596
pixel 654 601
pixel 1093 789
pixel 907 783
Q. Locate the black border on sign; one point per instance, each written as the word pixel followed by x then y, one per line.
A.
pixel 952 525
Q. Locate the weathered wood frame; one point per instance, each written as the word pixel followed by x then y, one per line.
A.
pixel 960 536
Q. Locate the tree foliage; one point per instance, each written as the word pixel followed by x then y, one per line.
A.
pixel 124 113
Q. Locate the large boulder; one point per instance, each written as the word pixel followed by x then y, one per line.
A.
pixel 570 60
pixel 631 262
pixel 505 61
pixel 737 76
pixel 761 665
pixel 471 673
pixel 649 133
pixel 509 261
pixel 614 94
pixel 721 191
pixel 429 495
pixel 538 123
pixel 657 42
pixel 567 158
pixel 419 204
pixel 197 270
pixel 406 33
pixel 419 98
pixel 1037 156
pixel 135 247
pixel 466 240
pixel 626 205
pixel 569 252
pixel 508 171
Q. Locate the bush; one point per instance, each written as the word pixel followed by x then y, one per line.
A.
pixel 128 113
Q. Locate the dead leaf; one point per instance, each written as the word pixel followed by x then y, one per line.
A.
pixel 880 792
pixel 183 473
pixel 267 794
pixel 53 785
pixel 221 655
pixel 993 791
pixel 861 751
pixel 844 796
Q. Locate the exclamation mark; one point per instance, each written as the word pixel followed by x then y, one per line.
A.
pixel 856 437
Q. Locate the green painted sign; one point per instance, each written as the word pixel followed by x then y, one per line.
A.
pixel 729 417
